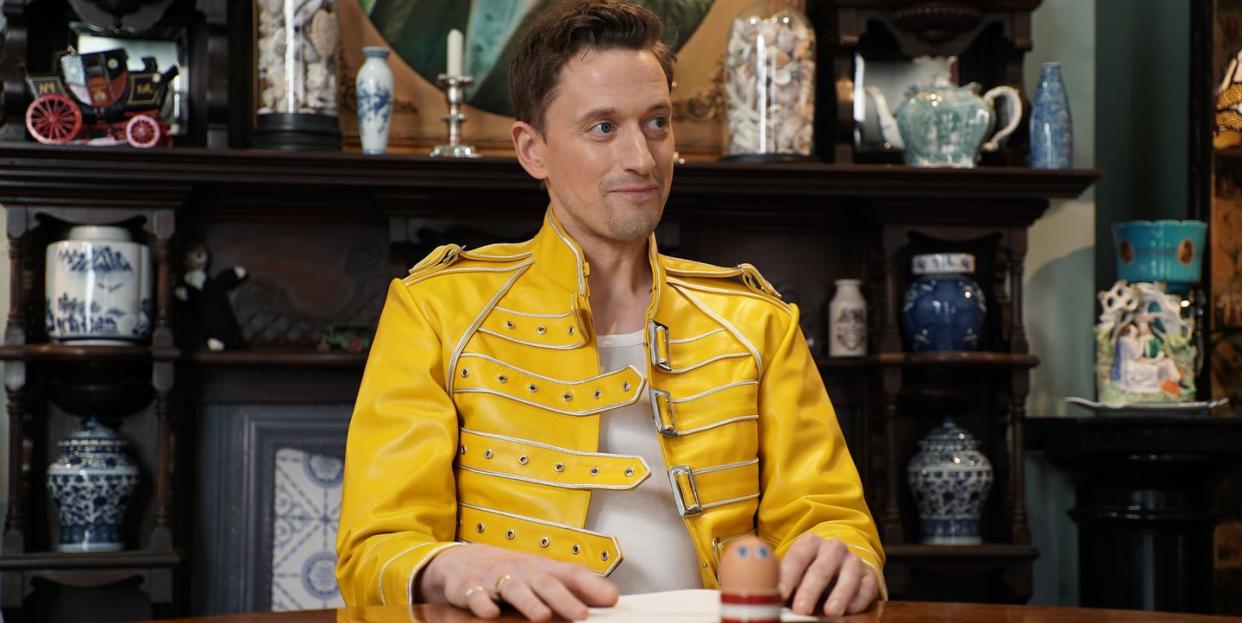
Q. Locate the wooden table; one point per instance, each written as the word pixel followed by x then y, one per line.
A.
pixel 889 612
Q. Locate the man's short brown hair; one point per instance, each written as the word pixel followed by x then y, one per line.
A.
pixel 567 29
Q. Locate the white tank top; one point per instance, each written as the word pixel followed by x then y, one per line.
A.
pixel 657 552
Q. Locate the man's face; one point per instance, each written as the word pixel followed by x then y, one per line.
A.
pixel 607 147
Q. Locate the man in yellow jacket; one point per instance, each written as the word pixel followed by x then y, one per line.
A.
pixel 529 410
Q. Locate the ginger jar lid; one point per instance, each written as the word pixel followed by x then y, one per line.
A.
pixel 109 233
pixel 943 264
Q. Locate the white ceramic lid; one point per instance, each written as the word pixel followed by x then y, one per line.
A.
pixel 99 232
pixel 943 264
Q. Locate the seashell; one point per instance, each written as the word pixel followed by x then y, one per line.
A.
pixel 325 33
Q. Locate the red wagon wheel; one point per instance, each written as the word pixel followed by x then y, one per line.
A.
pixel 142 131
pixel 53 119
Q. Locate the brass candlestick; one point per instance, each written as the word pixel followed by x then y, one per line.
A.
pixel 455 93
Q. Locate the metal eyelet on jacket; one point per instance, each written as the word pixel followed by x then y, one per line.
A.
pixel 575 549
pixel 541 329
pixel 510 534
pixel 560 467
pixel 465 373
pixel 532 387
pixel 509 324
pixel 567 396
pixel 523 460
pixel 502 378
pixel 479 527
pixel 487 454
pixel 598 394
pixel 571 330
pixel 629 471
pixel 594 471
pixel 626 386
pixel 603 555
pixel 544 542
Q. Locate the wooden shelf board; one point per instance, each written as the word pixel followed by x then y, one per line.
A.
pixel 25 165
pixel 971 553
pixel 85 352
pixel 960 358
pixel 279 356
pixel 85 560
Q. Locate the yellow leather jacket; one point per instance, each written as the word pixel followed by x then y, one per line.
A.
pixel 478 417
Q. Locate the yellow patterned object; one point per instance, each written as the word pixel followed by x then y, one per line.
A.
pixel 1228 132
pixel 478 418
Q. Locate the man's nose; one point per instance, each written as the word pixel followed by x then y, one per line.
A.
pixel 634 153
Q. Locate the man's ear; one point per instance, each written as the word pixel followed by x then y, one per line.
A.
pixel 529 145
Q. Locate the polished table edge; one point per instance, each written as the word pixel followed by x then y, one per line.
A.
pixel 887 612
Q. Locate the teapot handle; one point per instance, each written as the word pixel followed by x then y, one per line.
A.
pixel 1015 114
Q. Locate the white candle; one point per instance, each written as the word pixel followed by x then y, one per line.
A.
pixel 455 45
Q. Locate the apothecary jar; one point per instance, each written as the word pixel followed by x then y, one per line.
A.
pixel 297 44
pixel 769 83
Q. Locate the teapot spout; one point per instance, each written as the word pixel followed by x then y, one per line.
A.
pixel 888 125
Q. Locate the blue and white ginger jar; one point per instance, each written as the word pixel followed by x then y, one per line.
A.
pixel 98 287
pixel 374 88
pixel 950 480
pixel 944 308
pixel 91 482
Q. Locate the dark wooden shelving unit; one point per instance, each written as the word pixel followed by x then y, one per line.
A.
pixel 273 211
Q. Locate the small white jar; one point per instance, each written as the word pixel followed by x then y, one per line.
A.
pixel 847 321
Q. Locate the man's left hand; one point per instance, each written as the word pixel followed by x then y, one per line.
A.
pixel 813 565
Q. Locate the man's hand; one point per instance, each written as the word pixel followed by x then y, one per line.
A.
pixel 467 577
pixel 813 564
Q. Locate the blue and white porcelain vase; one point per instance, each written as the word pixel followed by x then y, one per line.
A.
pixel 98 287
pixel 950 479
pixel 944 308
pixel 91 482
pixel 374 87
pixel 1052 129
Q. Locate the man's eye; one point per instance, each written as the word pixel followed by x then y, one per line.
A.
pixel 603 127
pixel 659 123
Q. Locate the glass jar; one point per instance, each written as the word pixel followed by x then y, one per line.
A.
pixel 769 81
pixel 298 44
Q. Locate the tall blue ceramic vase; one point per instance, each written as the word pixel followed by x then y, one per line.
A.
pixel 1052 130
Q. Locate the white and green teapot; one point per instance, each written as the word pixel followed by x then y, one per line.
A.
pixel 944 125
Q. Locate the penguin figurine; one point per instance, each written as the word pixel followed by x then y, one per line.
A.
pixel 205 317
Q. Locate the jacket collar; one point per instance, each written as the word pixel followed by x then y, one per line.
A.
pixel 559 257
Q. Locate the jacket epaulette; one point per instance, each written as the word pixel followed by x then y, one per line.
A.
pixel 741 275
pixel 449 255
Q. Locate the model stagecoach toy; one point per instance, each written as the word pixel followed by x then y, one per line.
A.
pixel 749 573
pixel 96 99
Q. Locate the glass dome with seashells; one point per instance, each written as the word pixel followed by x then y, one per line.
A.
pixel 296 55
pixel 769 71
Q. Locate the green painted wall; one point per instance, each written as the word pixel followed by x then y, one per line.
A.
pixel 1142 136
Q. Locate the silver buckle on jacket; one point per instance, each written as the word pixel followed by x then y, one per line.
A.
pixel 685 510
pixel 658 334
pixel 662 404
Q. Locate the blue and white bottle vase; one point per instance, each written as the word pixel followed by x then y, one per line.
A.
pixel 374 87
pixel 950 479
pixel 91 482
pixel 98 287
pixel 1052 129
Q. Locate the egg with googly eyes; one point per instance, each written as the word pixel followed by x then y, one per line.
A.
pixel 749 573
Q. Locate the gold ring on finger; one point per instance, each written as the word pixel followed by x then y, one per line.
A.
pixel 500 581
pixel 470 591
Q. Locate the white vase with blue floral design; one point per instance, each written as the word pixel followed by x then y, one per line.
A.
pixel 950 479
pixel 91 482
pixel 374 87
pixel 98 287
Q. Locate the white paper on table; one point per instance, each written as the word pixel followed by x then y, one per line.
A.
pixel 687 606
